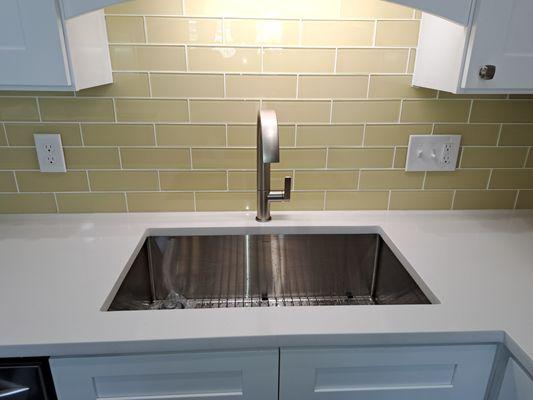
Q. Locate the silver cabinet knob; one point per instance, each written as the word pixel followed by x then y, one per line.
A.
pixel 487 72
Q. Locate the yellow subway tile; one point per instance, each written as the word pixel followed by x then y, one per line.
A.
pixel 272 9
pixel 325 180
pixel 187 85
pixel 337 33
pixel 247 180
pixel 22 134
pixel 157 110
pixel 366 111
pixel 376 179
pixel 393 134
pixel 193 180
pixel 87 158
pixel 329 135
pixel 14 158
pixel 27 203
pixel 225 201
pixel 435 111
pixel 246 135
pixel 517 135
pixel 34 181
pixel 148 58
pixel 146 7
pixel 264 86
pixel 169 30
pixel 484 199
pixel 91 202
pixel 7 182
pixel 223 158
pixel 299 60
pixel 525 199
pixel 372 60
pixel 459 179
pixel 160 202
pixel 412 60
pixel 511 179
pixel 357 200
pixel 261 32
pixel 400 157
pixel 421 200
pixel 373 9
pixel 118 135
pixel 18 109
pixel 226 59
pixel 397 86
pixel 471 134
pixel 125 84
pixel 139 158
pixel 360 158
pixel 90 110
pixel 397 33
pixel 125 29
pixel 191 135
pixel 502 111
pixel 333 86
pixel 300 111
pixel 224 111
pixel 301 158
pixel 493 157
pixel 123 180
pixel 301 201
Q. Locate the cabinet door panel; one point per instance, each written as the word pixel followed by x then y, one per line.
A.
pixel 386 373
pixel 516 385
pixel 32 50
pixel 239 375
pixel 501 36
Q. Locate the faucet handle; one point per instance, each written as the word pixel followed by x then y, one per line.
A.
pixel 287 188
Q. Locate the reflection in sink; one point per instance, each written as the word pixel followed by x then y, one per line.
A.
pixel 265 270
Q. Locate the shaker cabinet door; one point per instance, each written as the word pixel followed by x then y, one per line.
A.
pixel 502 37
pixel 236 375
pixel 386 373
pixel 32 50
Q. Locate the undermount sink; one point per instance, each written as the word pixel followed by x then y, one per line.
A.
pixel 221 271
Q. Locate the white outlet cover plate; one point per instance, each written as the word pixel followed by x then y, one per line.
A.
pixel 50 152
pixel 433 152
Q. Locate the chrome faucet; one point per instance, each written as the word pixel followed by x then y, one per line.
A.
pixel 267 153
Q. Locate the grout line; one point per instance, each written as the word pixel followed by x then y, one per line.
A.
pixel 516 199
pixel 184 13
pixel 145 29
pixel 490 178
pixel 81 135
pixel 194 201
pixel 88 180
pixel 150 84
pixel 388 200
pixel 55 200
pixel 297 85
pixel 16 181
pixel 401 111
pixel 187 58
pixel 453 199
pixel 470 111
pixel 158 180
pixel 358 179
pixel 226 129
pixel 227 180
pixel 262 52
pixel 368 86
pixel 189 110
pixel 155 135
pixel 424 180
pixel 331 112
pixel 120 157
pixel 499 135
pixel 126 202
pixel 528 154
pixel 5 133
pixel 336 60
pixel 374 34
pixel 115 110
pixel 324 205
pixel 38 109
pixel 225 85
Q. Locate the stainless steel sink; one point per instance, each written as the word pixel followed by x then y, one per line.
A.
pixel 176 272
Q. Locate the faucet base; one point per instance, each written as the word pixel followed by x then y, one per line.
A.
pixel 263 219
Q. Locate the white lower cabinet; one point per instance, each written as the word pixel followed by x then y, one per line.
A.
pixel 232 375
pixel 516 385
pixel 386 373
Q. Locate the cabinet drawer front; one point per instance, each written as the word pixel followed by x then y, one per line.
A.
pixel 386 373
pixel 240 375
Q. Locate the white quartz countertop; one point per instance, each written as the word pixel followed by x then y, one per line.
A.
pixel 56 272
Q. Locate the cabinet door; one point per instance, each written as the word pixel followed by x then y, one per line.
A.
pixel 32 50
pixel 386 373
pixel 501 36
pixel 516 385
pixel 238 375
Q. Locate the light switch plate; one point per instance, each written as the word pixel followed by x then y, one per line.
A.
pixel 432 152
pixel 50 152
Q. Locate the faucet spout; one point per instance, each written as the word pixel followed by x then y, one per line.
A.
pixel 267 153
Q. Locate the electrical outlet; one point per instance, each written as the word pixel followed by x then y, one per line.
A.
pixel 432 152
pixel 50 152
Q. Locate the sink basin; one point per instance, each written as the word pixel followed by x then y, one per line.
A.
pixel 221 271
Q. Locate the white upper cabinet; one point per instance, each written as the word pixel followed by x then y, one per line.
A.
pixel 492 53
pixel 453 10
pixel 41 50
